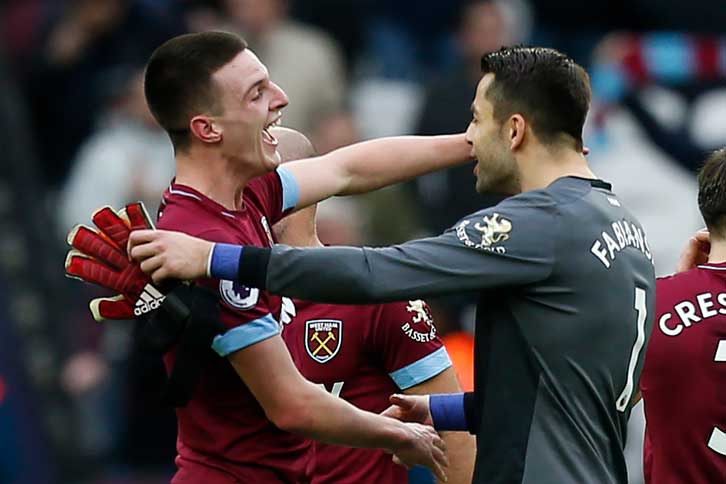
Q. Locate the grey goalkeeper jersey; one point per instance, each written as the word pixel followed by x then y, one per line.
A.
pixel 566 305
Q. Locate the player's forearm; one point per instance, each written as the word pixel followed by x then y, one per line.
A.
pixel 462 454
pixel 352 275
pixel 320 416
pixel 374 164
pixel 306 409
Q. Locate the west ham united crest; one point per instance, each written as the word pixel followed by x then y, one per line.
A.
pixel 323 338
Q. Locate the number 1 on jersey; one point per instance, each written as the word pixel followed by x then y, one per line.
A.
pixel 642 310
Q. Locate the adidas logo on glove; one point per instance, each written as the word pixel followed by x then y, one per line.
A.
pixel 150 300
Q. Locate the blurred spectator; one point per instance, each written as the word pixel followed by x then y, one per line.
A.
pixel 409 39
pixel 444 196
pixel 446 107
pixel 83 40
pixel 302 60
pixel 129 158
pixel 335 132
pixel 346 20
pixel 203 15
pixel 689 70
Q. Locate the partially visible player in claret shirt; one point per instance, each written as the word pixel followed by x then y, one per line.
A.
pixel 363 353
pixel 683 383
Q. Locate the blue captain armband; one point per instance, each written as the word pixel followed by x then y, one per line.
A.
pixel 224 261
pixel 447 411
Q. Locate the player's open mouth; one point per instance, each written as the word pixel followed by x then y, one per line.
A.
pixel 268 137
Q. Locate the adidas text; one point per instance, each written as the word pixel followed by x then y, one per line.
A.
pixel 149 300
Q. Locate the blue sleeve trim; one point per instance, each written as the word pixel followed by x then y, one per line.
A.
pixel 246 335
pixel 225 261
pixel 447 411
pixel 421 370
pixel 290 189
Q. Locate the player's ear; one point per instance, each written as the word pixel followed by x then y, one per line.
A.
pixel 205 129
pixel 517 129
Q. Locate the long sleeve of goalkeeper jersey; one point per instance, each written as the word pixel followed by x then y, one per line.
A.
pixel 511 244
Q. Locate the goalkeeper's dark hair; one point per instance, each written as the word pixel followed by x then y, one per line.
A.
pixel 178 81
pixel 712 193
pixel 549 89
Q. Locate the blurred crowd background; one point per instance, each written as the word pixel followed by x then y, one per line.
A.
pixel 78 400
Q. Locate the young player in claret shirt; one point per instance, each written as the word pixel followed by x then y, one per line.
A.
pixel 683 380
pixel 363 354
pixel 223 406
pixel 217 103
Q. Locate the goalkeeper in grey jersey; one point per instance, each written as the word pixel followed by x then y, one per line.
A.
pixel 563 271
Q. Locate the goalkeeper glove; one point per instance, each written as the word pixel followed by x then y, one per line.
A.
pixel 100 257
pixel 187 316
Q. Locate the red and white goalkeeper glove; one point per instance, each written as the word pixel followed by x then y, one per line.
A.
pixel 100 257
pixel 188 316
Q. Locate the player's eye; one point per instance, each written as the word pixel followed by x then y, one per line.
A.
pixel 257 95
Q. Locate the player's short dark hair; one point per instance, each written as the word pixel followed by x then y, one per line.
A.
pixel 544 85
pixel 712 192
pixel 178 80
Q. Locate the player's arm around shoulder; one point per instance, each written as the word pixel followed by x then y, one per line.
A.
pixel 370 165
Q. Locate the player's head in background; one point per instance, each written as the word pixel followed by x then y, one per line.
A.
pixel 530 102
pixel 215 99
pixel 337 221
pixel 299 228
pixel 712 194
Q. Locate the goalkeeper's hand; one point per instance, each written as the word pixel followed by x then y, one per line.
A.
pixel 99 256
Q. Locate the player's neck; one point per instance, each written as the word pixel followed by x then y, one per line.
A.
pixel 216 178
pixel 717 254
pixel 541 167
